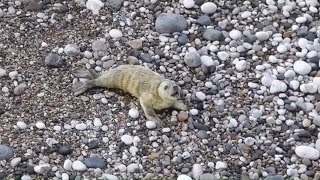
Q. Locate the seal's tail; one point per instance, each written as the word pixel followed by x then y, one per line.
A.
pixel 84 73
pixel 82 86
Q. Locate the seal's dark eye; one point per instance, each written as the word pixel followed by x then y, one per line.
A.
pixel 166 87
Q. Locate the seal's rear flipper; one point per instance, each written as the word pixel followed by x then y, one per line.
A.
pixel 84 73
pixel 82 86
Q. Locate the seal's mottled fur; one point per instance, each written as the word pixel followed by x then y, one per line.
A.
pixel 152 90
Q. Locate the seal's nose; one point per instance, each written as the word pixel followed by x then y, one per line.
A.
pixel 176 88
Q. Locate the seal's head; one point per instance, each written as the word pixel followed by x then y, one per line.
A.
pixel 169 90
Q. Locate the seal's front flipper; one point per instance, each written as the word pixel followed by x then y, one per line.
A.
pixel 151 114
pixel 84 73
pixel 180 105
pixel 82 86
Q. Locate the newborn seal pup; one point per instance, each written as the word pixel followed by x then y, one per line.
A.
pixel 153 91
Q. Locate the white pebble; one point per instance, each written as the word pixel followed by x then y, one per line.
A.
pixel 307 152
pixel 67 165
pixel 151 125
pixel 122 168
pixel 262 35
pixel 94 6
pixel 201 96
pixel 21 125
pixel 133 113
pixel 115 33
pixel 64 176
pixel 245 14
pixel 249 141
pixel 235 34
pixel 302 67
pixel 3 72
pixel 303 43
pixel 309 88
pixel 81 126
pixel 13 74
pixel 277 86
pixel 127 139
pixel 188 4
pixel 132 167
pixel 241 65
pixel 221 165
pixel 184 177
pixel 301 20
pixel 78 166
pixel 196 171
pixel 97 122
pixel 208 8
pixel 282 48
pixel 40 125
pixel 223 55
pixel 194 112
pixel 207 61
pixel 15 161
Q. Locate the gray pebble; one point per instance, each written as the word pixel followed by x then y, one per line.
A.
pixel 99 45
pixel 204 20
pixel 277 177
pixel 95 162
pixel 20 89
pixel 213 35
pixel 71 50
pixel 53 60
pixel 192 59
pixel 146 57
pixel 183 39
pixel 202 134
pixel 5 152
pixel 114 5
pixel 169 23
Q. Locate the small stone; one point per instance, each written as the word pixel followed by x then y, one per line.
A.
pixel 114 5
pixel 87 54
pixel 133 113
pixel 223 55
pixel 65 176
pixel 20 89
pixel 127 139
pixel 235 34
pixel 93 144
pixel 208 8
pixel 94 6
pixel 282 48
pixel 6 152
pixel 204 20
pixel 169 23
pixel 95 162
pixel 246 14
pixel 42 168
pixel 241 65
pixel 201 96
pixel 71 50
pixel 207 176
pixel 133 60
pixel 202 134
pixel 21 125
pixel 207 61
pixel 53 60
pixel 78 166
pixel 33 6
pixel 145 57
pixel 249 141
pixel 301 20
pixel 184 177
pixel 188 4
pixel 3 72
pixel 183 39
pixel 196 171
pixel 133 168
pixel 277 86
pixel 309 88
pixel 262 35
pixel 302 67
pixel 81 126
pixel 26 177
pixel 213 35
pixel 99 45
pixel 15 161
pixel 307 152
pixel 183 116
pixel 221 165
pixel 40 125
pixel 151 125
pixel 109 177
pixel 135 44
pixel 67 165
pixel 115 33
pixel 192 59
pixel 97 122
pixel 65 149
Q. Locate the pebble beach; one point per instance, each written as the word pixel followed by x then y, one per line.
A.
pixel 249 73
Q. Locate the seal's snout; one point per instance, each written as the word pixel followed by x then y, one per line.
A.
pixel 176 88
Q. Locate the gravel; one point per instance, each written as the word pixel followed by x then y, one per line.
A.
pixel 249 74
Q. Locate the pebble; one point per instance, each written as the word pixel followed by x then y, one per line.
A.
pixel 277 86
pixel 5 152
pixel 133 113
pixel 81 126
pixel 207 176
pixel 97 122
pixel 221 165
pixel 40 125
pixel 15 161
pixel 94 6
pixel 26 177
pixel 207 61
pixel 99 45
pixel 192 59
pixel 67 165
pixel 145 57
pixel 65 176
pixel 135 44
pixel 78 166
pixel 202 134
pixel 184 177
pixel 132 167
pixel 109 177
pixel 183 116
pixel 197 171
pixel 307 152
pixel 20 89
pixel 42 168
pixel 169 23
pixel 71 50
pixel 127 139
pixel 302 67
pixel 114 5
pixel 115 33
pixel 65 149
pixel 241 65
pixel 223 55
pixel 201 96
pixel 3 72
pixel 309 88
pixel 188 4
pixel 183 39
pixel 282 48
pixel 21 125
pixel 262 35
pixel 204 20
pixel 301 20
pixel 95 162
pixel 235 34
pixel 53 60
pixel 211 34
pixel 208 7
pixel 151 125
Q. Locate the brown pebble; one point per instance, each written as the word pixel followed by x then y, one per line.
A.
pixel 183 116
pixel 287 34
